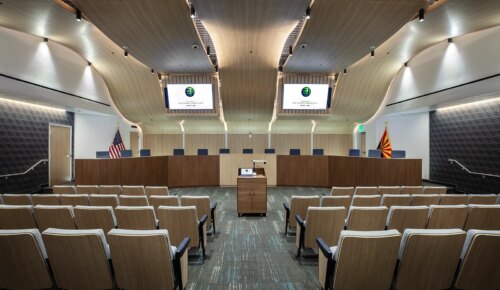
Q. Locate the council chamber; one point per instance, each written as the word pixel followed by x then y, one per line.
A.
pixel 250 144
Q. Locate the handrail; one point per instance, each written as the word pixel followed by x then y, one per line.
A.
pixel 6 176
pixel 472 172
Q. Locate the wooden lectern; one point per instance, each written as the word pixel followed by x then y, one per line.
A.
pixel 252 193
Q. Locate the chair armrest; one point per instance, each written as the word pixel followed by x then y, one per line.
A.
pixel 286 206
pixel 325 249
pixel 300 221
pixel 324 194
pixel 213 206
pixel 203 220
pixel 182 247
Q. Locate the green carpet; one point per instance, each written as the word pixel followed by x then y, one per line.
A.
pixel 251 252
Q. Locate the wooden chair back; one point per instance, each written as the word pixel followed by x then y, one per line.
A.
pixel 157 190
pixel 323 222
pixel 87 189
pixel 407 217
pixel 79 258
pixel 135 217
pixel 54 216
pixel 366 190
pixel 447 216
pixel 181 222
pixel 395 200
pixel 63 189
pixel 482 198
pixel 429 258
pixel 110 189
pixel 366 200
pixel 163 200
pixel 480 256
pixel 483 217
pixel 45 199
pixel 336 201
pixel 141 259
pixel 425 199
pixel 17 217
pixel 74 199
pixel 299 205
pixel 412 190
pixel 367 218
pixel 202 204
pixel 389 190
pixel 17 199
pixel 95 217
pixel 104 200
pixel 377 253
pixel 133 200
pixel 453 199
pixel 434 190
pixel 23 260
pixel 133 190
pixel 342 191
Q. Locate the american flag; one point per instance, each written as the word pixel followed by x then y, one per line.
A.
pixel 117 146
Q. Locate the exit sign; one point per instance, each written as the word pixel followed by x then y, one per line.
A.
pixel 361 128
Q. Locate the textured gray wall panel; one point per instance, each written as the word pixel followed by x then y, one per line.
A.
pixel 24 137
pixel 470 135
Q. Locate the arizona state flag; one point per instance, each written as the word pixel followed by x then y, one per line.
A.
pixel 385 145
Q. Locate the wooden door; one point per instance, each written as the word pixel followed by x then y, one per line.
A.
pixel 134 143
pixel 59 154
pixel 363 144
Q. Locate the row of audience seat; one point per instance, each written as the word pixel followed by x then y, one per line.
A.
pixel 82 259
pixel 300 204
pixel 327 222
pixel 110 189
pixel 181 221
pixel 417 259
pixel 370 190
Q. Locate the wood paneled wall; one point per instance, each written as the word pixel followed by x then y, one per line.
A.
pixel 163 144
pixel 338 144
pixel 212 142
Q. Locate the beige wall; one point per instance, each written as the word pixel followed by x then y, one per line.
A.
pixel 163 144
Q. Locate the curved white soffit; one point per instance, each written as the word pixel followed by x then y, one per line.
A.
pixel 469 58
pixel 29 64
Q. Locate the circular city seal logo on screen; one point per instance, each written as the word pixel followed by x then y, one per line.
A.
pixel 306 91
pixel 189 91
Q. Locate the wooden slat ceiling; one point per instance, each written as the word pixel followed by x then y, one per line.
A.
pixel 360 93
pixel 248 80
pixel 341 32
pixel 249 36
pixel 158 33
pixel 135 91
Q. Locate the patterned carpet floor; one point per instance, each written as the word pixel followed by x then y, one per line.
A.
pixel 251 252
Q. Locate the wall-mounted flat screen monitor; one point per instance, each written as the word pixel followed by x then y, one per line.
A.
pixel 189 97
pixel 306 96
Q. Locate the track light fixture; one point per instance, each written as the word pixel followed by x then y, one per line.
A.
pixel 152 71
pixel 208 50
pixel 280 68
pixel 216 68
pixel 193 12
pixel 450 40
pixel 290 50
pixel 89 63
pixel 345 71
pixel 159 76
pixel 45 40
pixel 372 53
pixel 421 15
pixel 78 15
pixel 125 52
pixel 308 13
pixel 406 64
